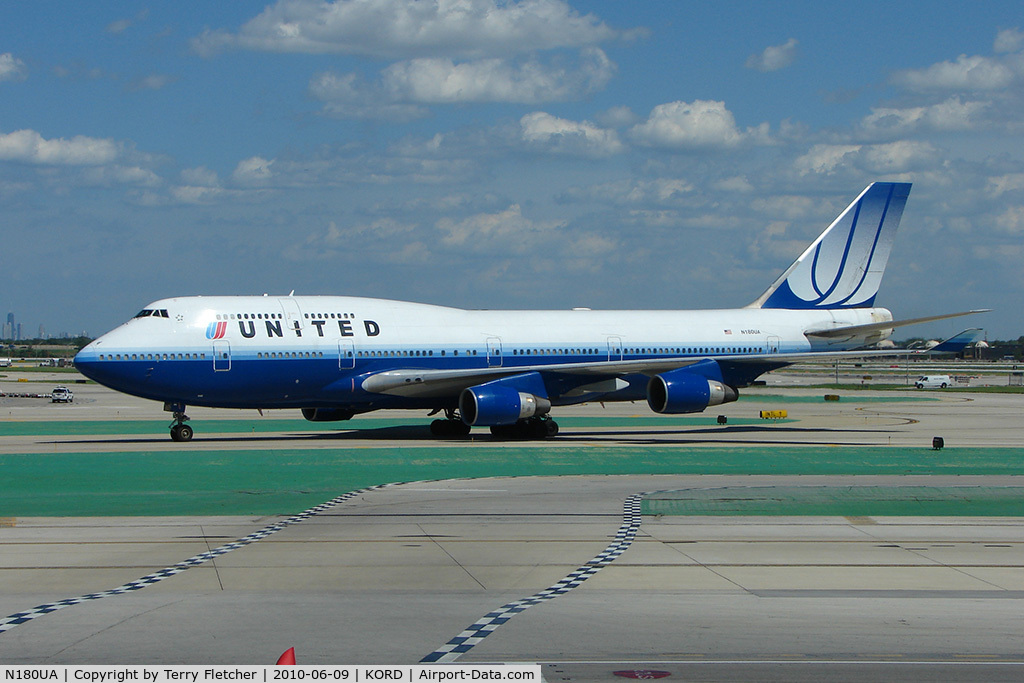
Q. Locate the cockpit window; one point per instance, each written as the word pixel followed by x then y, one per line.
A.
pixel 147 312
pixel 144 313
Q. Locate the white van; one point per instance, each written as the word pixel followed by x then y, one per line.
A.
pixel 933 382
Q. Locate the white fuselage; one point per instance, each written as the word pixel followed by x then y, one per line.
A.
pixel 265 352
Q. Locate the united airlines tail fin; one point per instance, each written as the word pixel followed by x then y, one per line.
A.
pixel 843 267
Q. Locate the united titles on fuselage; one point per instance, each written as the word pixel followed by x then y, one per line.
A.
pixel 274 328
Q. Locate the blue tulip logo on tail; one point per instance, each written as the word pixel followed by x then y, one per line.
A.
pixel 843 267
pixel 216 330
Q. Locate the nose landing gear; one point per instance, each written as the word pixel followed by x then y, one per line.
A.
pixel 179 430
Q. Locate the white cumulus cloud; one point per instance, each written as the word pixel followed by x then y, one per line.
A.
pixel 952 114
pixel 701 123
pixel 507 230
pixel 12 68
pixel 967 73
pixel 774 57
pixel 1011 220
pixel 253 171
pixel 892 157
pixel 405 88
pixel 400 29
pixel 551 133
pixel 28 146
pixel 437 81
pixel 1009 40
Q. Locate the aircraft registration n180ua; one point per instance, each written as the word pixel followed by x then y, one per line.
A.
pixel 335 356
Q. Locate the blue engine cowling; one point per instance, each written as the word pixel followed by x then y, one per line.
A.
pixel 489 405
pixel 326 414
pixel 683 391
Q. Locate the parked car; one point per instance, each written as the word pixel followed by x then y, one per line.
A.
pixel 62 395
pixel 932 382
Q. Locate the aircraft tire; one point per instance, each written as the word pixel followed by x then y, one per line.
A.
pixel 181 432
pixel 505 431
pixel 449 428
pixel 526 430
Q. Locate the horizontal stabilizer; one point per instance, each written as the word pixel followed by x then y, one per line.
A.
pixel 852 330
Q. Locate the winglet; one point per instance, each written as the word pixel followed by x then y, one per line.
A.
pixel 843 267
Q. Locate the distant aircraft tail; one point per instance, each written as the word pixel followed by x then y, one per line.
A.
pixel 843 267
pixel 959 342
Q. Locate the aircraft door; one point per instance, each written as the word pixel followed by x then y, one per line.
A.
pixel 773 344
pixel 221 356
pixel 614 348
pixel 346 355
pixel 493 352
pixel 292 314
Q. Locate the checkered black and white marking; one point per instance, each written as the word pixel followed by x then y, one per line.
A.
pixel 487 624
pixel 7 623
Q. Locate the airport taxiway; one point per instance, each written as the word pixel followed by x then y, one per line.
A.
pixel 393 575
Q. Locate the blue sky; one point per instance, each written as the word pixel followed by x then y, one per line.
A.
pixel 486 155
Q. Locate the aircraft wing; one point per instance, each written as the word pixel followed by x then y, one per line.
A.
pixel 426 383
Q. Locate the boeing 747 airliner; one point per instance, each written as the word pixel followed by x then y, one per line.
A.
pixel 333 357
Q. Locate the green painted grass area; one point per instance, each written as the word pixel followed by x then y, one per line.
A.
pixel 847 501
pixel 286 481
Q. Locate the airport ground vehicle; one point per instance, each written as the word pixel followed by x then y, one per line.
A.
pixel 62 395
pixel 933 382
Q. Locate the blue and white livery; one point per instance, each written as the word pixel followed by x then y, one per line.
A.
pixel 843 267
pixel 333 357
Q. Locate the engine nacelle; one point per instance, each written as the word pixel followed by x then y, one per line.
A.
pixel 326 414
pixel 489 405
pixel 680 391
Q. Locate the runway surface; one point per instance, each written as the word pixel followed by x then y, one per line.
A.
pixel 561 570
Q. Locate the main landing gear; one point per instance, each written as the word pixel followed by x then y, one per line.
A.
pixel 531 428
pixel 537 427
pixel 179 430
pixel 452 425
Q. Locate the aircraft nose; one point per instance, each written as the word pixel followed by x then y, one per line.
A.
pixel 86 360
pixel 97 361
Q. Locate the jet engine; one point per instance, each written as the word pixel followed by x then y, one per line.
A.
pixel 682 391
pixel 488 405
pixel 326 414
